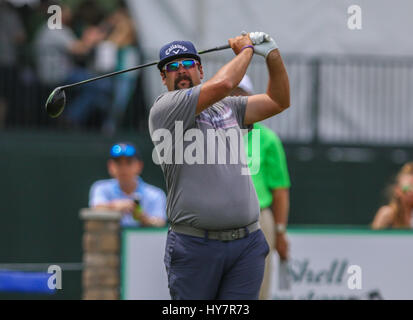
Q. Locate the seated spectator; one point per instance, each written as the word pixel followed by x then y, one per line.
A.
pixel 398 213
pixel 141 203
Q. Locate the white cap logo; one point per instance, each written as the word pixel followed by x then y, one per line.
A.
pixel 175 46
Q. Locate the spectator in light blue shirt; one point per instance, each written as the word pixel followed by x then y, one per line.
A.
pixel 141 203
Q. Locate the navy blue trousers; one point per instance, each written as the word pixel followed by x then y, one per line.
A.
pixel 204 269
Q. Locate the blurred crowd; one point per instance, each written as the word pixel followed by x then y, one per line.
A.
pixel 36 57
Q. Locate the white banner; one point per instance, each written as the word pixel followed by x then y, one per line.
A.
pixel 143 274
pixel 324 264
pixel 349 264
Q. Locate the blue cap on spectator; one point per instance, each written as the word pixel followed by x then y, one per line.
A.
pixel 124 149
pixel 175 50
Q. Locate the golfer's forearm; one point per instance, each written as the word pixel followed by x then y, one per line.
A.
pixel 224 81
pixel 278 85
pixel 281 205
pixel 231 74
pixel 235 70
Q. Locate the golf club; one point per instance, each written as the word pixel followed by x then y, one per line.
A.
pixel 56 102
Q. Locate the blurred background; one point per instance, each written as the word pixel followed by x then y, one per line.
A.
pixel 347 133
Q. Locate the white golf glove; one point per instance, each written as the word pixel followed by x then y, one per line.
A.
pixel 257 37
pixel 263 43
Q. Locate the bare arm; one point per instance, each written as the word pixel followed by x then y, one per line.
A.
pixel 228 77
pixel 89 39
pixel 149 221
pixel 79 48
pixel 281 205
pixel 128 206
pixel 122 205
pixel 280 208
pixel 383 218
pixel 277 97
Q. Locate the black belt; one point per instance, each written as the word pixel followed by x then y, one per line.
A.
pixel 223 235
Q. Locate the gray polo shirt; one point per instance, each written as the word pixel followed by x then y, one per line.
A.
pixel 206 193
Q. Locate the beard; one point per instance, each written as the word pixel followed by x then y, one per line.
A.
pixel 183 77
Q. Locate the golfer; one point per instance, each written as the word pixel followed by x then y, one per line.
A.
pixel 215 248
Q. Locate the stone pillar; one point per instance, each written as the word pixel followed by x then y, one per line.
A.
pixel 101 254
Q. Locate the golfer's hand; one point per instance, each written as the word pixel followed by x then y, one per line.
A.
pixel 240 42
pixel 123 205
pixel 281 245
pixel 263 43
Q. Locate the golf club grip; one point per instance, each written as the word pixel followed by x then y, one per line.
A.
pixel 227 46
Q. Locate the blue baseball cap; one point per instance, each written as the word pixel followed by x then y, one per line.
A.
pixel 175 50
pixel 124 149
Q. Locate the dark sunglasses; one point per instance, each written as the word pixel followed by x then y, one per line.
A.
pixel 174 66
pixel 122 150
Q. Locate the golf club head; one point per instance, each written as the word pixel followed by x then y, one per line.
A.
pixel 56 102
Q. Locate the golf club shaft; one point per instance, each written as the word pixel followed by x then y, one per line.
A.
pixel 227 46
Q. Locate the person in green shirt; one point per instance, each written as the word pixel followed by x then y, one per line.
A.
pixel 272 183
